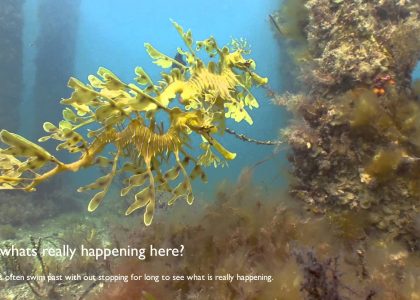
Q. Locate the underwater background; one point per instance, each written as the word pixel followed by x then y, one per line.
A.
pixel 75 38
pixel 327 210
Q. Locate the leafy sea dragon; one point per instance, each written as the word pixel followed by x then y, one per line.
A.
pixel 125 116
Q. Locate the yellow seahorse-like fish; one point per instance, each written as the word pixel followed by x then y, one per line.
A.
pixel 127 117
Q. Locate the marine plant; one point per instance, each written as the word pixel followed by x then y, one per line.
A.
pixel 41 276
pixel 127 117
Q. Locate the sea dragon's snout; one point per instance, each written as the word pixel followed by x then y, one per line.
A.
pixel 222 150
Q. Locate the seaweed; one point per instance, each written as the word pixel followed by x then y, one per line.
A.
pixel 45 276
pixel 7 232
pixel 321 279
pixel 255 239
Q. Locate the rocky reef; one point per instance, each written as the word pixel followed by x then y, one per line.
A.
pixel 339 45
pixel 355 139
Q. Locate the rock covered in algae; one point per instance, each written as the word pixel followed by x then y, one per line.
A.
pixel 355 146
pixel 348 43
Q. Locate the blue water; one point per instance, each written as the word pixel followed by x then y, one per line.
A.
pixel 112 34
pixel 416 73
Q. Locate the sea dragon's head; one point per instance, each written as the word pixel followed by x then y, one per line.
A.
pixel 236 60
pixel 201 123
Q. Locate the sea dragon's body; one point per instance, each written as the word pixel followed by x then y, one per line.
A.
pixel 126 115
